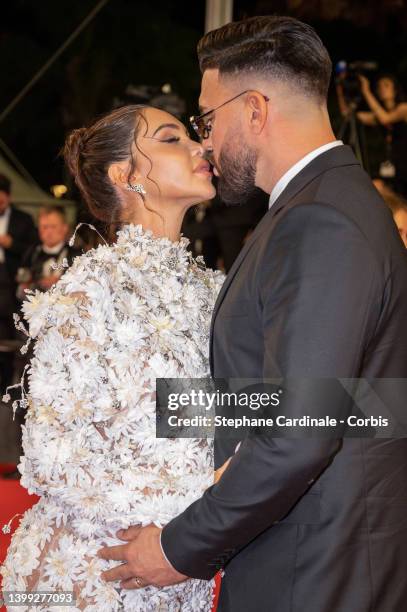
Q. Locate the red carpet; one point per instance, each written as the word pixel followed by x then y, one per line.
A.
pixel 14 499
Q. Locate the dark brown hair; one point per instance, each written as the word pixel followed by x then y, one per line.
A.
pixel 89 151
pixel 399 95
pixel 275 47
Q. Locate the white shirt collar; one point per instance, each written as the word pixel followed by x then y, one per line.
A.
pixel 294 170
pixel 53 250
pixel 4 223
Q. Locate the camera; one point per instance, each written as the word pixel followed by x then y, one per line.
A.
pixel 347 75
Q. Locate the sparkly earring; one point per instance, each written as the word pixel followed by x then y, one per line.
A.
pixel 137 187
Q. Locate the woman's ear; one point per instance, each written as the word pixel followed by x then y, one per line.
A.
pixel 118 173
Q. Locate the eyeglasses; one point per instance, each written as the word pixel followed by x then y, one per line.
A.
pixel 202 123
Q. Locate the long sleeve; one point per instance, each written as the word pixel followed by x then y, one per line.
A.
pixel 314 326
pixel 86 392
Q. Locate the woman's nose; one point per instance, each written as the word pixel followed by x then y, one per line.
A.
pixel 198 149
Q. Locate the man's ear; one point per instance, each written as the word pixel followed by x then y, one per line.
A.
pixel 118 173
pixel 257 110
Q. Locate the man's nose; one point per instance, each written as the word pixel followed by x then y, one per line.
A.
pixel 208 153
pixel 207 142
pixel 207 146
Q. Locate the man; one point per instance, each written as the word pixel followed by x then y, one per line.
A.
pixel 318 291
pixel 17 233
pixel 38 269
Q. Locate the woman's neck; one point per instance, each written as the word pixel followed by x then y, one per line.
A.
pixel 162 226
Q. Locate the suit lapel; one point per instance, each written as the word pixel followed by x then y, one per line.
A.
pixel 338 156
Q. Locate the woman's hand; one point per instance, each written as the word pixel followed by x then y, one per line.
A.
pixel 364 84
pixel 382 115
pixel 219 472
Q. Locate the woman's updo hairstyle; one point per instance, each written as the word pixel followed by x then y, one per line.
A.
pixel 89 151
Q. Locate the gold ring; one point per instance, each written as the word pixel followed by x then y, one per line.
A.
pixel 138 582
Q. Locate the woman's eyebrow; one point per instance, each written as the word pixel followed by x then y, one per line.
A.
pixel 166 125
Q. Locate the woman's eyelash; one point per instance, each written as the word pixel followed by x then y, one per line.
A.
pixel 172 139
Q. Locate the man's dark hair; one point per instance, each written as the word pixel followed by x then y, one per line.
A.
pixel 276 47
pixel 5 184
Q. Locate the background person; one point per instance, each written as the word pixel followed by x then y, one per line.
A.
pixel 37 270
pixel 218 232
pixel 397 205
pixel 391 112
pixel 388 110
pixel 17 233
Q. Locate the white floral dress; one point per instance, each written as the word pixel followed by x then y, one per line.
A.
pixel 120 317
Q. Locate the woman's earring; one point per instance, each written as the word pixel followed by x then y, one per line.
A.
pixel 137 187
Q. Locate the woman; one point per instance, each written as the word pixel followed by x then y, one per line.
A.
pixel 390 112
pixel 121 316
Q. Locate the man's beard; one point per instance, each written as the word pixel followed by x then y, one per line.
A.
pixel 237 169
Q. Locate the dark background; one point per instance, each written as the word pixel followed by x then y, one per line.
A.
pixel 150 42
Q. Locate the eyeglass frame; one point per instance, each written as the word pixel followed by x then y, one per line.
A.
pixel 195 119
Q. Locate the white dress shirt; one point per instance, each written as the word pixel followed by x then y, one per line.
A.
pixel 294 170
pixel 4 223
pixel 55 249
pixel 57 253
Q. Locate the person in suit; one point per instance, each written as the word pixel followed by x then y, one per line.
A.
pixel 318 291
pixel 218 232
pixel 17 233
pixel 234 224
pixel 37 269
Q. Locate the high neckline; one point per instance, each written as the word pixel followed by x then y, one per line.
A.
pixel 131 233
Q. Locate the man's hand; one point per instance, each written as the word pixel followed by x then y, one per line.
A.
pixel 144 561
pixel 6 241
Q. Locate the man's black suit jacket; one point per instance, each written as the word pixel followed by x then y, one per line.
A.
pixel 316 525
pixel 22 230
pixel 23 233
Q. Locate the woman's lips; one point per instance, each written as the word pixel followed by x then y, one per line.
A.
pixel 203 168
